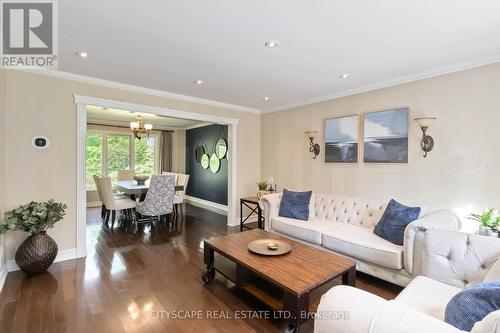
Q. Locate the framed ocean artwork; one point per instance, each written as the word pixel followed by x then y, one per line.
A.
pixel 341 139
pixel 386 136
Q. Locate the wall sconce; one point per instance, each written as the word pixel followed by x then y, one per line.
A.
pixel 313 147
pixel 427 142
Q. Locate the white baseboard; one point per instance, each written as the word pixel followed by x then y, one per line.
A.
pixel 212 206
pixel 92 204
pixel 61 256
pixel 3 276
pixel 251 219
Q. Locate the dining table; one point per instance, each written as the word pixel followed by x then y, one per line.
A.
pixel 130 188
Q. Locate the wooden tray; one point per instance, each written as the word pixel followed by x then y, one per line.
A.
pixel 261 246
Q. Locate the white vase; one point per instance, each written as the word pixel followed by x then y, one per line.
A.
pixel 485 231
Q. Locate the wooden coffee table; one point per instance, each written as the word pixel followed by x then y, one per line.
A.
pixel 282 282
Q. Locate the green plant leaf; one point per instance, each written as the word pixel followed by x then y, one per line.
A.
pixel 34 217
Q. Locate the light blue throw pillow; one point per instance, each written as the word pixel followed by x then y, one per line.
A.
pixel 393 223
pixel 295 205
pixel 472 305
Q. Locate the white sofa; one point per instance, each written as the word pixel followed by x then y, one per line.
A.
pixel 452 261
pixel 344 225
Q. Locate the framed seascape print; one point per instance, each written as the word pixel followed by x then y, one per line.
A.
pixel 341 139
pixel 386 136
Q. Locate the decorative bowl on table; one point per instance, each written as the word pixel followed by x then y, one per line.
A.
pixel 269 247
pixel 141 179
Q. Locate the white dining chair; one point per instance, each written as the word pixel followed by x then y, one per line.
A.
pixel 176 176
pixel 113 204
pixel 99 192
pixel 179 195
pixel 159 200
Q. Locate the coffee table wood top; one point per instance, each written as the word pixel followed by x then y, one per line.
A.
pixel 301 270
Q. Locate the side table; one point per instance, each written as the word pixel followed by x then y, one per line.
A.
pixel 251 203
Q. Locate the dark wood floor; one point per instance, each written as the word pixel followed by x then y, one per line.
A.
pixel 127 278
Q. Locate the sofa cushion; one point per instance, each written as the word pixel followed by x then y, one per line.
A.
pixel 295 204
pixel 344 209
pixel 472 304
pixel 362 243
pixel 309 231
pixel 428 296
pixel 394 221
pixel 494 272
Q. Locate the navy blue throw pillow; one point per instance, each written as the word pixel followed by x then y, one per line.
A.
pixel 396 217
pixel 295 205
pixel 472 305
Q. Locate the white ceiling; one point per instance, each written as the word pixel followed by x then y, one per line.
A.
pixel 99 115
pixel 168 44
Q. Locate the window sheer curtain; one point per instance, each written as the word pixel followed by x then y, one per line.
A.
pixel 165 152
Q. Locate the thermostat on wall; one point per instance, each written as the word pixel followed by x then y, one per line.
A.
pixel 40 142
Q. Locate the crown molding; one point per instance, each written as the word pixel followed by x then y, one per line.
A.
pixel 137 89
pixel 204 117
pixel 198 126
pixel 390 83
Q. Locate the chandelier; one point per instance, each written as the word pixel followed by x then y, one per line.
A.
pixel 138 127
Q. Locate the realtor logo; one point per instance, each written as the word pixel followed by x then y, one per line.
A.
pixel 29 33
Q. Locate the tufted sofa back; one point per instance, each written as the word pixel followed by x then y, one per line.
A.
pixel 459 259
pixel 343 209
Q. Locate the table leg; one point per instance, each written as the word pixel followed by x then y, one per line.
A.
pixel 298 307
pixel 143 196
pixel 241 216
pixel 259 217
pixel 208 258
pixel 349 277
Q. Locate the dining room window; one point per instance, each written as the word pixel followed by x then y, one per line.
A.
pixel 93 161
pixel 119 154
pixel 109 151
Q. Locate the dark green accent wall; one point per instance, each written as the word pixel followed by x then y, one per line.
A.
pixel 203 183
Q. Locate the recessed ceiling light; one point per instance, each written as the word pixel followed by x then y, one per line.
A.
pixel 271 43
pixel 82 54
pixel 345 76
pixel 266 98
pixel 199 82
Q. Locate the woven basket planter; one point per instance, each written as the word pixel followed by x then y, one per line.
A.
pixel 36 253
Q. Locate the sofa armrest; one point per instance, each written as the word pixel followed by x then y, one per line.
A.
pixel 396 317
pixel 460 259
pixel 270 205
pixel 346 309
pixel 413 238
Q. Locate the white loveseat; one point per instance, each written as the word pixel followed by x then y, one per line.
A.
pixel 344 225
pixel 452 261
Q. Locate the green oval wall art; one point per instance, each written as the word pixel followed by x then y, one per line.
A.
pixel 221 148
pixel 214 163
pixel 205 161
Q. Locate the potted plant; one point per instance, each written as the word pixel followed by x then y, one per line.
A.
pixel 39 250
pixel 487 220
pixel 262 186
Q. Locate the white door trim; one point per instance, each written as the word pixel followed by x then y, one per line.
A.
pixel 81 188
pixel 81 106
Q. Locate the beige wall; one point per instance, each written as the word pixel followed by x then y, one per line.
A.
pixel 461 172
pixel 37 104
